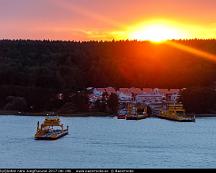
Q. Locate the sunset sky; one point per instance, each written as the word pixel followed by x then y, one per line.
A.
pixel 107 19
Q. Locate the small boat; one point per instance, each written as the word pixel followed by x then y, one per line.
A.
pixel 119 116
pixel 47 130
pixel 122 114
pixel 175 112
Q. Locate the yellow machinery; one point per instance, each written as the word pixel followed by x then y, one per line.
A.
pixel 47 131
pixel 136 111
pixel 176 112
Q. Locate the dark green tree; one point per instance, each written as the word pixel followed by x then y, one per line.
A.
pixel 113 103
pixel 199 99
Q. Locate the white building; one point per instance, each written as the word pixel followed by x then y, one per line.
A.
pixel 154 98
pixel 98 91
pixel 124 95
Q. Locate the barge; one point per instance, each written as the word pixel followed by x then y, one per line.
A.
pixel 175 112
pixel 49 129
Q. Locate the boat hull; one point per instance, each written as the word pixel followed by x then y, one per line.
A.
pixel 176 119
pixel 121 116
pixel 51 136
pixel 135 117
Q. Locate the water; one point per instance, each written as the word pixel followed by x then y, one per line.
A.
pixel 109 143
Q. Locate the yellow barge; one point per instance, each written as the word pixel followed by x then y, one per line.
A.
pixel 175 112
pixel 47 130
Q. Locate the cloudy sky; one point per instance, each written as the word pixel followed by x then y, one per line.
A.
pixel 103 19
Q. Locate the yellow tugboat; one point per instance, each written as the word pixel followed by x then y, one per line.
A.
pixel 176 112
pixel 46 130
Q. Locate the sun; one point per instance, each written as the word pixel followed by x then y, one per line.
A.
pixel 155 33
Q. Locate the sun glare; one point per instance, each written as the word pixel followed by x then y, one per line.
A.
pixel 155 32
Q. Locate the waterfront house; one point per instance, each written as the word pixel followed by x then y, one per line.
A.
pixel 153 99
pixel 135 91
pixel 98 91
pixel 124 95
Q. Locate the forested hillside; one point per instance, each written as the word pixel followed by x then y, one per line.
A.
pixel 58 64
pixel 36 70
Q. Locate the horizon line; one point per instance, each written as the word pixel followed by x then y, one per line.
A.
pixel 113 40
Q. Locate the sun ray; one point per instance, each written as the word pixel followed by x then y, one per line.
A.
pixel 194 51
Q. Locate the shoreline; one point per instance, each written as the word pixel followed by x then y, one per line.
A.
pixel 205 115
pixel 79 114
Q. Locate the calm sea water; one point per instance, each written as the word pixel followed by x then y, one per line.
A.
pixel 109 143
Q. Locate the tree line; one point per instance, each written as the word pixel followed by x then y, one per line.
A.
pixel 37 70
